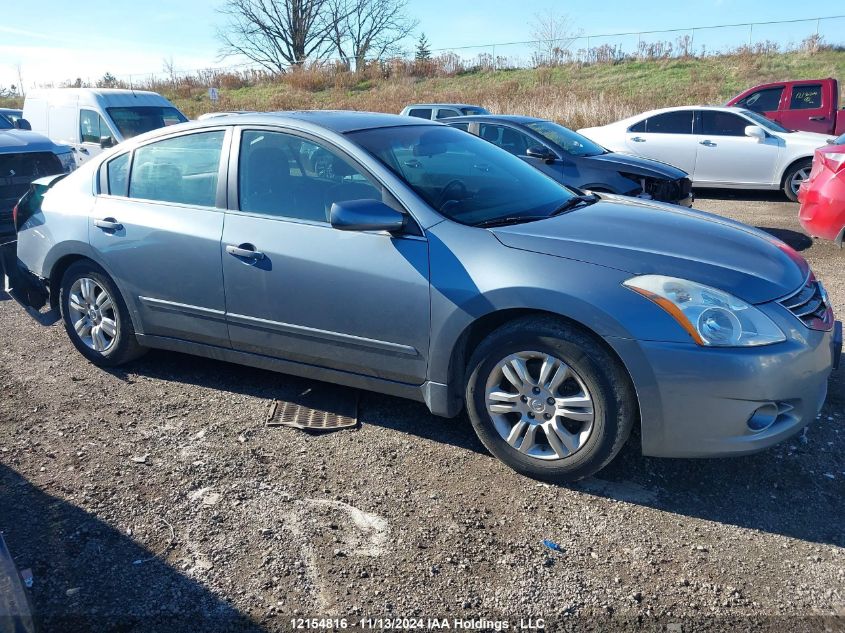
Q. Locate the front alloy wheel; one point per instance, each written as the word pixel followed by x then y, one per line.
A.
pixel 549 398
pixel 539 405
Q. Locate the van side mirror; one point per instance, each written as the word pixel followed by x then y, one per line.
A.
pixel 23 124
pixel 106 142
pixel 366 215
pixel 541 153
pixel 755 131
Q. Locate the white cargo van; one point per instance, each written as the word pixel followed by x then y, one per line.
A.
pixel 92 119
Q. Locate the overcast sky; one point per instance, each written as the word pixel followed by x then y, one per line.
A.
pixel 62 41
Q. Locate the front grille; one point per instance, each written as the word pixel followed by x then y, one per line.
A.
pixel 17 171
pixel 668 190
pixel 811 305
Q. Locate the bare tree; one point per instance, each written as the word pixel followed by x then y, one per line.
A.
pixel 169 68
pixel 373 29
pixel 21 89
pixel 554 34
pixel 276 34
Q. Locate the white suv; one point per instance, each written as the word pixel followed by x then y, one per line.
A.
pixel 435 111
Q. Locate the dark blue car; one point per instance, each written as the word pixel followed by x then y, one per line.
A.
pixel 576 161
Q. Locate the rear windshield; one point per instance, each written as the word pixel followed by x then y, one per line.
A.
pixel 140 119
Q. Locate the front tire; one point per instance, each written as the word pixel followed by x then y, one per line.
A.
pixel 794 176
pixel 549 400
pixel 95 316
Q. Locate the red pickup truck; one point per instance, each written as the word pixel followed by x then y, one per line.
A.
pixel 811 105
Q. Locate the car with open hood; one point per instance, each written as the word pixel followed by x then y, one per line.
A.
pixel 576 161
pixel 410 258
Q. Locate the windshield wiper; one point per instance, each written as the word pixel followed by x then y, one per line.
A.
pixel 572 203
pixel 575 202
pixel 509 219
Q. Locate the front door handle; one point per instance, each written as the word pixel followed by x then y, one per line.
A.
pixel 108 224
pixel 247 251
pixel 818 118
pixel 708 143
pixel 638 139
pixel 83 150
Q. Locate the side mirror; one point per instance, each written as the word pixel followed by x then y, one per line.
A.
pixel 106 142
pixel 755 131
pixel 541 153
pixel 365 215
pixel 23 124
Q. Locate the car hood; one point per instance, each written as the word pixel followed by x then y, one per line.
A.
pixel 650 238
pixel 17 141
pixel 639 166
pixel 808 139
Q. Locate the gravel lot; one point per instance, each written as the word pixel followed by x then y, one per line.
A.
pixel 155 499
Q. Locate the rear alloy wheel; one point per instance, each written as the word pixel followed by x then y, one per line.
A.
pixel 95 317
pixel 793 178
pixel 549 399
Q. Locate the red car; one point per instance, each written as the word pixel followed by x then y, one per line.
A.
pixel 822 194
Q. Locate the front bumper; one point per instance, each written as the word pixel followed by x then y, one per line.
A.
pixel 697 401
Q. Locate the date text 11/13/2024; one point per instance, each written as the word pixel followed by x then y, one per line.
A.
pixel 428 624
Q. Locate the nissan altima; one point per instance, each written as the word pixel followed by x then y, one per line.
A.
pixel 410 258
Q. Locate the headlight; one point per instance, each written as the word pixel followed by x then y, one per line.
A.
pixel 68 161
pixel 711 317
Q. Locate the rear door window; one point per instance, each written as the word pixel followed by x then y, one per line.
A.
pixel 117 175
pixel 182 169
pixel 765 100
pixel 806 97
pixel 420 113
pixel 677 122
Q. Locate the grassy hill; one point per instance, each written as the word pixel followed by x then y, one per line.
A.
pixel 574 94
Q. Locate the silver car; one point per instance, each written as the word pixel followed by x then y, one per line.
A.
pixel 410 258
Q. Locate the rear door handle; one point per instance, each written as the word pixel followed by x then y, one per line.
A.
pixel 247 251
pixel 638 139
pixel 108 224
pixel 818 118
pixel 708 143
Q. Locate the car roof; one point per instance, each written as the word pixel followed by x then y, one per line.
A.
pixel 339 121
pixel 502 118
pixel 10 110
pixel 650 113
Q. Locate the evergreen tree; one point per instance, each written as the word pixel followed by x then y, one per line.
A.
pixel 423 49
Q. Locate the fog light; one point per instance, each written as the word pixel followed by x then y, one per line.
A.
pixel 763 417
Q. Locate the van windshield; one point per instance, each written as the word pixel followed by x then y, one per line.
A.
pixel 139 119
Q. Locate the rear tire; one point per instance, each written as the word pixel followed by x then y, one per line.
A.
pixel 95 316
pixel 544 374
pixel 794 176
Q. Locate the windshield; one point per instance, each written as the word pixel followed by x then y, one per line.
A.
pixel 764 122
pixel 571 142
pixel 139 119
pixel 462 176
pixel 5 124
